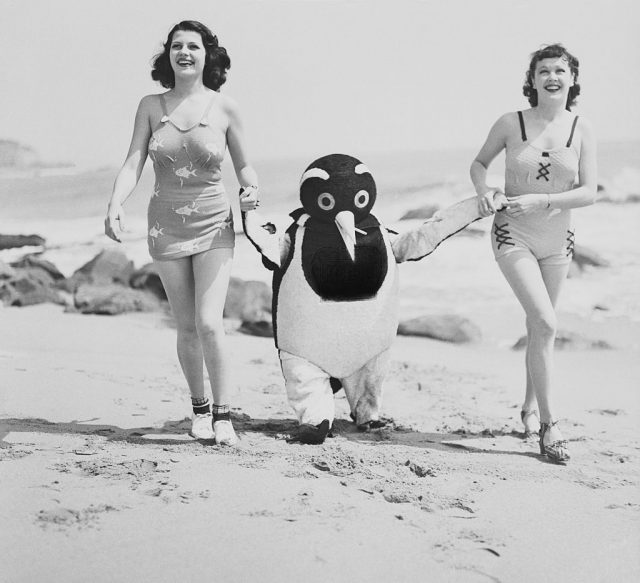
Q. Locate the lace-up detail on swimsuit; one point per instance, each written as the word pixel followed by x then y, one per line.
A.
pixel 502 234
pixel 543 171
pixel 546 233
pixel 571 242
pixel 531 169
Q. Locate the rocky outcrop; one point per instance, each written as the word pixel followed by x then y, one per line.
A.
pixel 623 188
pixel 263 328
pixel 13 241
pixel 29 286
pixel 566 340
pixel 109 285
pixel 35 263
pixel 101 286
pixel 109 266
pixel 445 327
pixel 584 256
pixel 16 155
pixel 6 271
pixel 248 300
pixel 31 280
pixel 147 278
pixel 112 299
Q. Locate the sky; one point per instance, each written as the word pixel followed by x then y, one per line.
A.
pixel 312 76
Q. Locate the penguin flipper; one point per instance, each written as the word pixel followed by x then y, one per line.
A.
pixel 265 238
pixel 417 243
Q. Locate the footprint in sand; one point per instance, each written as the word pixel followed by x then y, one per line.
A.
pixel 9 452
pixel 68 517
pixel 609 412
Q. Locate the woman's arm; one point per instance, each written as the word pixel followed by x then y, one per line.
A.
pixel 131 170
pixel 245 173
pixel 493 145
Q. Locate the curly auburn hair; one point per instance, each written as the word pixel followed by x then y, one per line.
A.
pixel 551 52
pixel 216 65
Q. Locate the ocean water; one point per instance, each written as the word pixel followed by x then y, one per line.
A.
pixel 460 277
pixel 400 176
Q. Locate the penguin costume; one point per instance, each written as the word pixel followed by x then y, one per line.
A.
pixel 335 290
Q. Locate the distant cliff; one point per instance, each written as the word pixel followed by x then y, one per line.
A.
pixel 16 155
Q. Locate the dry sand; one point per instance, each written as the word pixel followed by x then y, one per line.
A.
pixel 99 480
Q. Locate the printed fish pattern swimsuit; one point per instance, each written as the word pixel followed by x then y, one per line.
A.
pixel 189 211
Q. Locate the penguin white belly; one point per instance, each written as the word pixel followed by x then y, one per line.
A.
pixel 337 336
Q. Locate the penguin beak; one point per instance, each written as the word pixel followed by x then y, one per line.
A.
pixel 346 225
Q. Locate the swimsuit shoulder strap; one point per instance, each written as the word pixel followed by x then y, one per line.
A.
pixel 523 133
pixel 165 116
pixel 204 121
pixel 573 129
pixel 163 104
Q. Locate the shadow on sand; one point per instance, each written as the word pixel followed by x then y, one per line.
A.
pixel 177 433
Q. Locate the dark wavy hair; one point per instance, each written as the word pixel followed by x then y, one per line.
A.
pixel 551 52
pixel 216 63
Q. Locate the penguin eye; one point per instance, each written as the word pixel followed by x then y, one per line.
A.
pixel 326 201
pixel 361 199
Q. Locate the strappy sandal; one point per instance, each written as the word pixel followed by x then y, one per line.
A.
pixel 556 451
pixel 530 428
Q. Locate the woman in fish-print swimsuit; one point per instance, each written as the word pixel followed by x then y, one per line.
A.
pixel 186 132
pixel 550 168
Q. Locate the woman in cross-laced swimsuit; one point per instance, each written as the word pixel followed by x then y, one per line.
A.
pixel 550 168
pixel 186 132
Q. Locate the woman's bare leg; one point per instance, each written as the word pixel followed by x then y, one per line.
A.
pixel 177 278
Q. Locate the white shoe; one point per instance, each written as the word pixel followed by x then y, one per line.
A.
pixel 201 426
pixel 225 433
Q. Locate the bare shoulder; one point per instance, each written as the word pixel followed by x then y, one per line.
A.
pixel 150 109
pixel 584 124
pixel 150 104
pixel 150 100
pixel 586 134
pixel 229 105
pixel 506 126
pixel 508 122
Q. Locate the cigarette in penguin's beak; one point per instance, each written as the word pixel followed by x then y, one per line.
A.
pixel 346 225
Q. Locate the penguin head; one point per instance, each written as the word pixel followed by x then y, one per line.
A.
pixel 338 189
pixel 336 183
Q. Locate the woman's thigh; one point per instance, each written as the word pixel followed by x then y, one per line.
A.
pixel 212 270
pixel 177 278
pixel 525 276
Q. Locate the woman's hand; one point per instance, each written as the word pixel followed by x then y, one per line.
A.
pixel 500 200
pixel 486 204
pixel 526 203
pixel 114 222
pixel 249 198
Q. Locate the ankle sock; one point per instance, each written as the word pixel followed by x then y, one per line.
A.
pixel 200 405
pixel 221 412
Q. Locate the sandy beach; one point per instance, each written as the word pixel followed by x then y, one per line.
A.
pixel 99 479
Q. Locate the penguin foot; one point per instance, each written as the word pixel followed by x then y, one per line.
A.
pixel 373 424
pixel 312 434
